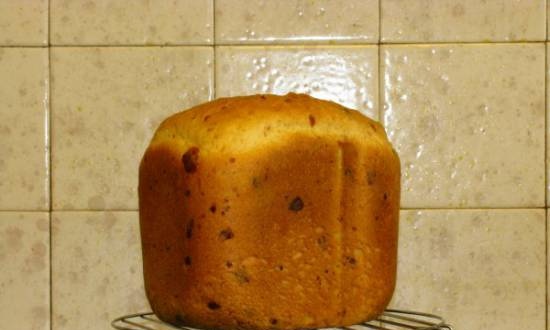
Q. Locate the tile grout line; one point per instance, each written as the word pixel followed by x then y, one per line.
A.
pixel 50 169
pixel 545 125
pixel 380 78
pixel 305 44
pixel 24 46
pixel 214 52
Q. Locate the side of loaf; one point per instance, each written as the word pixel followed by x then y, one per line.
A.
pixel 266 211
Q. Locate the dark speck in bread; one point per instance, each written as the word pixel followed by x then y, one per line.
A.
pixel 213 305
pixel 189 228
pixel 226 234
pixel 189 159
pixel 296 205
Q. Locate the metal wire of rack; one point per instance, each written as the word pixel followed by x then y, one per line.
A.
pixel 391 319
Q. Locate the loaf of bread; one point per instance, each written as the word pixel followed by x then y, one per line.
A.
pixel 269 212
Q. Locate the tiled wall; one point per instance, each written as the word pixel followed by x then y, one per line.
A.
pixel 459 85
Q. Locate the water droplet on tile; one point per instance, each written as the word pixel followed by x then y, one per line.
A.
pixel 248 33
pixel 300 13
pixel 321 11
pixel 404 97
pixel 207 25
pixel 307 61
pixel 419 151
pixel 265 88
pixel 315 86
pixel 255 85
pixel 169 69
pixel 248 75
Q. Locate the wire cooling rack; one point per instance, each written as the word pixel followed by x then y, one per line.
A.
pixel 391 319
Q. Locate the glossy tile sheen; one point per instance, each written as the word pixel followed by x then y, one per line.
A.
pixel 468 123
pixel 25 270
pixel 466 20
pixel 96 269
pixel 143 22
pixel 479 269
pixel 296 21
pixel 347 75
pixel 23 22
pixel 24 177
pixel 106 103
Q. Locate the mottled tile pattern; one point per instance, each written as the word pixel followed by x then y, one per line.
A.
pixel 96 269
pixel 480 269
pixel 25 270
pixel 24 177
pixel 296 21
pixel 23 22
pixel 136 22
pixel 465 20
pixel 106 104
pixel 467 122
pixel 347 75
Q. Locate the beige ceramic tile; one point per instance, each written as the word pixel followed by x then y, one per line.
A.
pixel 24 178
pixel 23 22
pixel 466 20
pixel 106 103
pixel 296 21
pixel 96 269
pixel 468 123
pixel 480 269
pixel 347 75
pixel 114 22
pixel 25 270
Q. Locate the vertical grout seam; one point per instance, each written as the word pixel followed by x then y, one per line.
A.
pixel 545 125
pixel 50 168
pixel 380 77
pixel 214 52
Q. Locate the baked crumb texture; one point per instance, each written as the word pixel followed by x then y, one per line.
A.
pixel 269 212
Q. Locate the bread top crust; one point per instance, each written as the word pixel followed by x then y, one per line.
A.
pixel 242 123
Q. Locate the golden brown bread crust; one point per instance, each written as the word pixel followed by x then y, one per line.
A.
pixel 269 212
